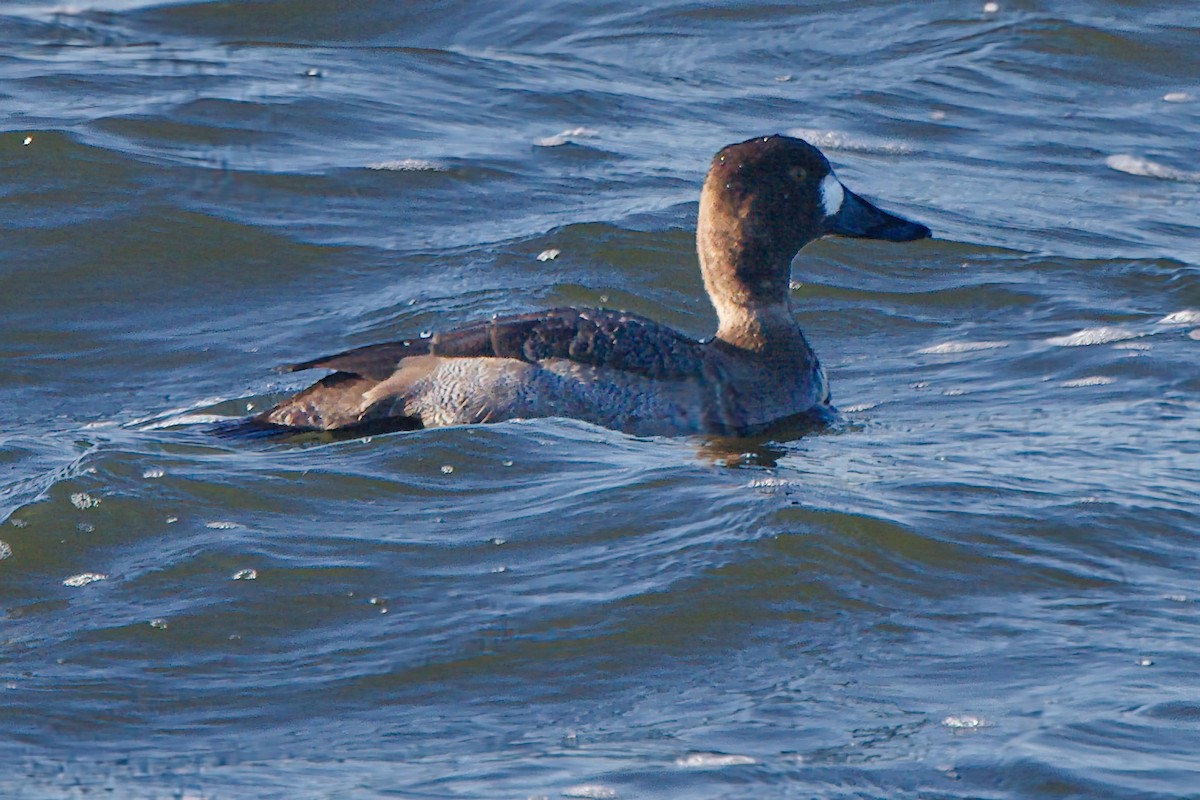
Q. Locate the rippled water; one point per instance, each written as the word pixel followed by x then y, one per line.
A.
pixel 982 585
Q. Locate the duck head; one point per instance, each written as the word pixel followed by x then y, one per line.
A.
pixel 763 200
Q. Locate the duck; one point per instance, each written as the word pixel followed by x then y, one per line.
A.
pixel 762 201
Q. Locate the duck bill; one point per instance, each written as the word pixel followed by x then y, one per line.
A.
pixel 862 220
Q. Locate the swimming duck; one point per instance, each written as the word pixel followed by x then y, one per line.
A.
pixel 763 200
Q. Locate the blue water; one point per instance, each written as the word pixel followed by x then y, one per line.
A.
pixel 981 584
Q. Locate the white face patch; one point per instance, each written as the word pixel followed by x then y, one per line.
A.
pixel 832 195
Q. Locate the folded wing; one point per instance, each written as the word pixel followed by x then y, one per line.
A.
pixel 608 340
pixel 596 337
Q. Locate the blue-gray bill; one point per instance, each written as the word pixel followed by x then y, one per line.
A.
pixel 861 219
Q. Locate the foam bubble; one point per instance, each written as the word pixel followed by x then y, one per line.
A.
pixel 82 500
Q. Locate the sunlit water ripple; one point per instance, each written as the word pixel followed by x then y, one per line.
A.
pixel 981 583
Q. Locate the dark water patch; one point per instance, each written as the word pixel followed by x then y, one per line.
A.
pixel 1073 43
pixel 151 130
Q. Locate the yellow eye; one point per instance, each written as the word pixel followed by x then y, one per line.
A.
pixel 799 174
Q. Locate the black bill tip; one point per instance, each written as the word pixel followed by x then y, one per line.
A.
pixel 861 219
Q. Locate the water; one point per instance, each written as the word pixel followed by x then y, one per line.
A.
pixel 982 585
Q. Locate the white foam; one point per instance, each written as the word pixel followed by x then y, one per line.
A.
pixel 961 347
pixel 1186 316
pixel 83 500
pixel 1146 168
pixel 708 760
pixel 832 195
pixel 1178 97
pixel 84 578
pixel 548 255
pixel 836 140
pixel 964 722
pixel 768 487
pixel 595 791
pixel 1088 336
pixel 566 136
pixel 768 483
pixel 1091 380
pixel 407 165
pixel 5 550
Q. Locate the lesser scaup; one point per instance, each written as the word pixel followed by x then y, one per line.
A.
pixel 763 200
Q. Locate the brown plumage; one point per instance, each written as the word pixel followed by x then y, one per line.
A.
pixel 762 201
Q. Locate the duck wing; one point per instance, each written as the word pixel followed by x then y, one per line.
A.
pixel 595 337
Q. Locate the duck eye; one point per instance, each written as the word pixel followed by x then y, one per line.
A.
pixel 799 174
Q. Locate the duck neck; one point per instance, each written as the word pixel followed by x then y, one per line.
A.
pixel 747 264
pixel 757 316
pixel 762 329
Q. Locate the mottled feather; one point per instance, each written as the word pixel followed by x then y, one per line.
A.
pixel 593 337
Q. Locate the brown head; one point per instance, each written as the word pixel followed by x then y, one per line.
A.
pixel 763 200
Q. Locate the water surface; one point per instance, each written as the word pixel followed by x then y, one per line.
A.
pixel 983 584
